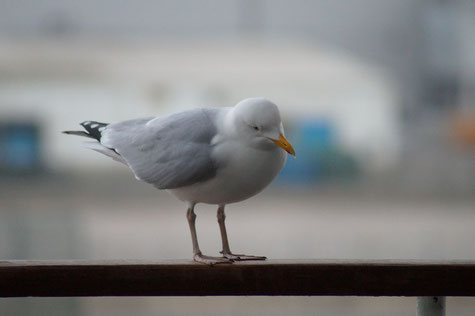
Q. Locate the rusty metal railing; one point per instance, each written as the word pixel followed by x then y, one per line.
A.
pixel 430 281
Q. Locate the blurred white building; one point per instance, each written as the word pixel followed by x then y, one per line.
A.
pixel 59 84
pixel 389 74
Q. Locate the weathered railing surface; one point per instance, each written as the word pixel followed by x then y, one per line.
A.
pixel 185 278
pixel 429 279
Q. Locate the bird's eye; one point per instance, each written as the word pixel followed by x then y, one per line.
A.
pixel 255 128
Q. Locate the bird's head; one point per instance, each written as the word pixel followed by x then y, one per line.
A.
pixel 258 120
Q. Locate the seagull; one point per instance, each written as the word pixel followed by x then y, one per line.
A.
pixel 214 156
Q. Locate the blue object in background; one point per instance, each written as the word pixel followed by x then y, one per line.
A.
pixel 309 137
pixel 19 147
pixel 319 157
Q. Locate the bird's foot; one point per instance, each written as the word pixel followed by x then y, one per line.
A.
pixel 211 260
pixel 240 257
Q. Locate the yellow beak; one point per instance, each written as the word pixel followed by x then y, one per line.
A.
pixel 284 144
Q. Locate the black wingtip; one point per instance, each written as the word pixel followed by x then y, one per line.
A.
pixel 94 129
pixel 77 133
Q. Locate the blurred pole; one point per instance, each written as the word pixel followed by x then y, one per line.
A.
pixel 431 306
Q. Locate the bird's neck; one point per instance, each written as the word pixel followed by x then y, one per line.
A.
pixel 229 126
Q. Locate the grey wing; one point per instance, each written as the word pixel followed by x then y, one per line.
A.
pixel 170 151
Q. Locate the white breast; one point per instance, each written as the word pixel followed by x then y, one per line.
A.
pixel 244 171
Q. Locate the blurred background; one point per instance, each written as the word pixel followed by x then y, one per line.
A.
pixel 377 97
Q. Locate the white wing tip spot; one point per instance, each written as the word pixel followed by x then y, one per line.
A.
pixel 94 125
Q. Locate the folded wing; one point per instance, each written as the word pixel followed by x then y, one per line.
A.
pixel 170 151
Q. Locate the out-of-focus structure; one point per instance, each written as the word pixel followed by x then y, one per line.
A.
pixel 377 96
pixel 70 82
pixel 373 95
